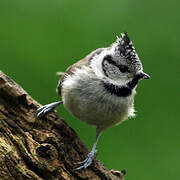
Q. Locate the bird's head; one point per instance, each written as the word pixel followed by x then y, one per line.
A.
pixel 119 63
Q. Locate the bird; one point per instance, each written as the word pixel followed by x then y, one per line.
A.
pixel 100 88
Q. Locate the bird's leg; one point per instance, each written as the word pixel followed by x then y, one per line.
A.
pixel 48 107
pixel 85 163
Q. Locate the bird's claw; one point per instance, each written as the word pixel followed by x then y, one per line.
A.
pixel 88 161
pixel 43 110
pixel 46 108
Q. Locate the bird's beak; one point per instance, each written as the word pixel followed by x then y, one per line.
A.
pixel 143 75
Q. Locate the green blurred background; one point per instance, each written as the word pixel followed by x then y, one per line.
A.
pixel 40 37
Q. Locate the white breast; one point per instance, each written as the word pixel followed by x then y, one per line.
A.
pixel 85 97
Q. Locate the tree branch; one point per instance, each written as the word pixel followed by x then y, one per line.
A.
pixel 42 149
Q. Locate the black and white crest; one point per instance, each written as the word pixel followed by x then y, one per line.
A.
pixel 126 49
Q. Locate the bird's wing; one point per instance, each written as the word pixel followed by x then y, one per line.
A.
pixel 79 64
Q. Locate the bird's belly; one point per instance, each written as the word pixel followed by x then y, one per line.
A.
pixel 102 112
pixel 87 99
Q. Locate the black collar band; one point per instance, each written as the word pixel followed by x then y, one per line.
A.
pixel 133 83
pixel 122 91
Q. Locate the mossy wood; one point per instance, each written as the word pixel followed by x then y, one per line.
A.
pixel 40 148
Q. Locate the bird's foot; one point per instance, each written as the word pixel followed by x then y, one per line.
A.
pixel 88 161
pixel 46 108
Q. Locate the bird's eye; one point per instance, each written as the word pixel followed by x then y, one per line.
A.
pixel 123 68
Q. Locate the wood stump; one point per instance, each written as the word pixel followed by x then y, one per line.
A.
pixel 45 148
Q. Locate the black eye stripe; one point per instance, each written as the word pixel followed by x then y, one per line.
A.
pixel 108 58
pixel 122 68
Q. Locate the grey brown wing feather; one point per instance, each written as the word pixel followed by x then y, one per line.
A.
pixel 79 64
pixel 69 71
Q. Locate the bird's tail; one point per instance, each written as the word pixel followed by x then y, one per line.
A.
pixel 60 74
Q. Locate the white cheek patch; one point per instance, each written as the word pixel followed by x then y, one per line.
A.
pixel 96 62
pixel 123 81
pixel 96 65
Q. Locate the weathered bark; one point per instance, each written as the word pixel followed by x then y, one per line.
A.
pixel 39 148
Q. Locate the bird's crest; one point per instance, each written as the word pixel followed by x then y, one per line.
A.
pixel 125 48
